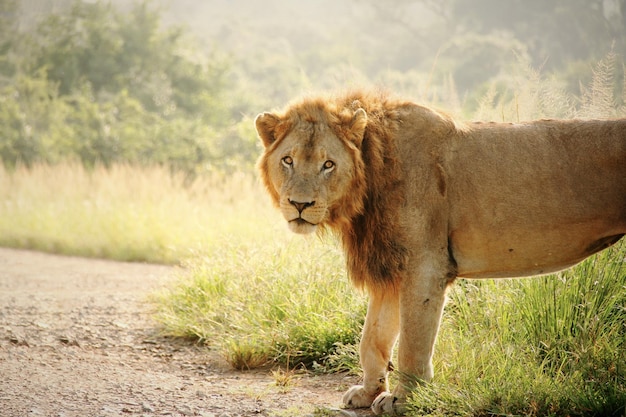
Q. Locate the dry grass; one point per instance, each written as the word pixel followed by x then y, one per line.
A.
pixel 129 213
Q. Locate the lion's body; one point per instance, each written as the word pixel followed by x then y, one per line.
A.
pixel 535 197
pixel 419 200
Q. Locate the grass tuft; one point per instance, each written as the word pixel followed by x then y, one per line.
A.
pixel 283 302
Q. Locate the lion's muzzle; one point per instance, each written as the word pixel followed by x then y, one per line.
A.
pixel 303 217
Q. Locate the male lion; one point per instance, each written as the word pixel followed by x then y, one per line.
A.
pixel 419 200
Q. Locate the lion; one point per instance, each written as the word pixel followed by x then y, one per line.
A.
pixel 419 199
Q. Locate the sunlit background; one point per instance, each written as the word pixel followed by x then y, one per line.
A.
pixel 126 132
pixel 179 82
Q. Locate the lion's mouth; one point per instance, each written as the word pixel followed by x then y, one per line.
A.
pixel 302 226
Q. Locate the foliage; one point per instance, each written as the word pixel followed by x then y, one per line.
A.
pixel 110 51
pixel 92 83
pixel 478 40
pixel 8 26
pixel 524 93
pixel 89 82
pixel 550 30
pixel 100 86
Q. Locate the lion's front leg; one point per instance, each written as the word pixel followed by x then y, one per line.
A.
pixel 379 336
pixel 421 306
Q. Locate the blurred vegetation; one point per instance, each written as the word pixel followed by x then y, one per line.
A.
pixel 100 86
pixel 129 213
pixel 152 82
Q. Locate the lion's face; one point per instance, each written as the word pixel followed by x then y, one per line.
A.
pixel 307 168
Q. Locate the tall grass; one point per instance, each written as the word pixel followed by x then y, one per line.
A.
pixel 541 346
pixel 270 302
pixel 525 93
pixel 128 213
pixel 249 287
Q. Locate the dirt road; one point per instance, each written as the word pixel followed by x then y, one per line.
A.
pixel 76 339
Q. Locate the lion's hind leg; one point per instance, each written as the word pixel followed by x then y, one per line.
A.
pixel 380 332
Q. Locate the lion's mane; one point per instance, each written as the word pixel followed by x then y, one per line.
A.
pixel 365 218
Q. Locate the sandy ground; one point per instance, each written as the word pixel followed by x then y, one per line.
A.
pixel 76 339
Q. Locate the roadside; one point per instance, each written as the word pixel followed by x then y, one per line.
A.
pixel 76 339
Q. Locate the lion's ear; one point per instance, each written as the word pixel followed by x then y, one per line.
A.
pixel 266 127
pixel 357 126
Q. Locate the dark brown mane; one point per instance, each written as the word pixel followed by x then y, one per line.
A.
pixel 364 221
pixel 370 239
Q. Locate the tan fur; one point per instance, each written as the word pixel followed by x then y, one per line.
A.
pixel 419 200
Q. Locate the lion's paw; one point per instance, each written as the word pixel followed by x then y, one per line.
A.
pixel 387 403
pixel 357 397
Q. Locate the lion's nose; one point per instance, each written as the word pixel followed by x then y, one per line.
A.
pixel 301 206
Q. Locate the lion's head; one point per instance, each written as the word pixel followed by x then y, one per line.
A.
pixel 312 164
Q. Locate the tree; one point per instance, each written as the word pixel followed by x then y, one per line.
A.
pixel 96 44
pixel 554 30
pixel 102 86
pixel 8 26
pixel 476 40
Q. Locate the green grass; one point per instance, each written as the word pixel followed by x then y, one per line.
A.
pixel 276 301
pixel 540 346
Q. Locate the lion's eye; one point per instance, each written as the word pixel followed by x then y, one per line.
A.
pixel 287 161
pixel 328 165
